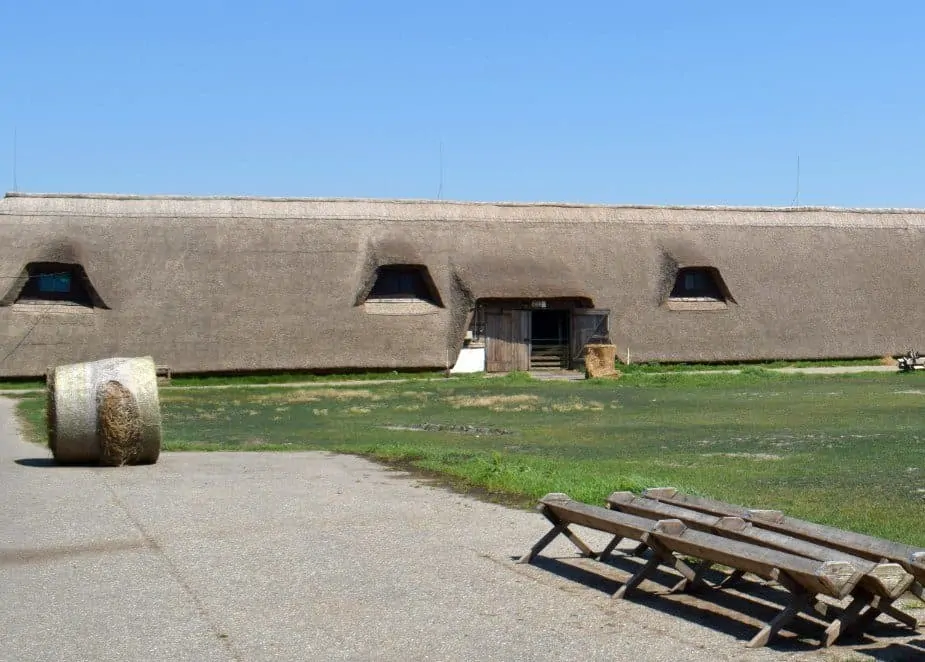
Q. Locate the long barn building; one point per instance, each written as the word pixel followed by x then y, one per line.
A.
pixel 245 284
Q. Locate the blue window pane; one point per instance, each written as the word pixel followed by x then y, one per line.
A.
pixel 55 283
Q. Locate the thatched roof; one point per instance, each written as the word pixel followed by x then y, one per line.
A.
pixel 339 209
pixel 269 283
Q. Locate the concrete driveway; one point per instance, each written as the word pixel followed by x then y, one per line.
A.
pixel 308 556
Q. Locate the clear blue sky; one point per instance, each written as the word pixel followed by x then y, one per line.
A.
pixel 617 102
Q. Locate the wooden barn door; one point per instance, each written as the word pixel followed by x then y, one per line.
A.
pixel 520 339
pixel 588 326
pixel 507 340
pixel 498 342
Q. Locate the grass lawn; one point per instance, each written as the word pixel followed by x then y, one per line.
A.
pixel 845 450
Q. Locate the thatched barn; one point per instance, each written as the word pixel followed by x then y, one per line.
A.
pixel 242 284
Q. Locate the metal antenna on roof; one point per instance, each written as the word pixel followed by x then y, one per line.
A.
pixel 796 198
pixel 440 187
pixel 15 183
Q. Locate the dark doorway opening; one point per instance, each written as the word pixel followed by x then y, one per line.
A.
pixel 549 339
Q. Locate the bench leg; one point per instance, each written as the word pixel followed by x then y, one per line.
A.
pixel 541 544
pixel 900 616
pixel 854 619
pixel 637 577
pixel 578 542
pixel 732 579
pixel 882 607
pixel 558 527
pixel 918 590
pixel 845 620
pixel 694 581
pixel 801 601
pixel 608 550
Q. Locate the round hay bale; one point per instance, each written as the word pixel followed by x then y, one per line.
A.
pixel 50 419
pixel 119 425
pixel 79 390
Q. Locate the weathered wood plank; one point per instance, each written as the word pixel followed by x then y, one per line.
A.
pixel 520 339
pixel 850 542
pixel 595 517
pixel 858 544
pixel 883 579
pixel 627 502
pixel 833 578
pixel 710 506
pixel 497 342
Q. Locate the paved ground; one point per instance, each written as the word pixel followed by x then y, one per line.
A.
pixel 308 556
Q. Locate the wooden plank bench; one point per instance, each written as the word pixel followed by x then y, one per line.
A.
pixel 804 578
pixel 912 559
pixel 881 584
pixel 563 512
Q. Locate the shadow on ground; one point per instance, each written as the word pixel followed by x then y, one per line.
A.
pixel 734 613
pixel 49 463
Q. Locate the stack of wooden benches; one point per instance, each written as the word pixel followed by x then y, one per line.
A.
pixel 806 559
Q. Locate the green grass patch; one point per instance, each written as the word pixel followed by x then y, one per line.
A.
pixel 21 384
pixel 635 368
pixel 299 377
pixel 847 450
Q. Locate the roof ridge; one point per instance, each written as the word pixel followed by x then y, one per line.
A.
pixel 472 203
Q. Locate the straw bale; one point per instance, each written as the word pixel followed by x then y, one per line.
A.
pixel 50 418
pixel 600 361
pixel 105 412
pixel 119 425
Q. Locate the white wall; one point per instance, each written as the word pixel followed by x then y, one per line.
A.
pixel 471 359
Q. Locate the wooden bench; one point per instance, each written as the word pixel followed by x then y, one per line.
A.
pixel 563 512
pixel 912 559
pixel 805 578
pixel 881 584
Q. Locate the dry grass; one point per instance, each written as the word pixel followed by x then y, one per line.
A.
pixel 50 411
pixel 359 410
pixel 119 425
pixel 746 456
pixel 304 395
pixel 577 405
pixel 417 395
pixel 516 402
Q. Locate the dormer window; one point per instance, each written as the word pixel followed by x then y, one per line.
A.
pixel 44 283
pixel 403 283
pixel 698 288
pixel 696 283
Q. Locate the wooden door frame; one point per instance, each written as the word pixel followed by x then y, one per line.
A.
pixel 575 354
pixel 520 334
